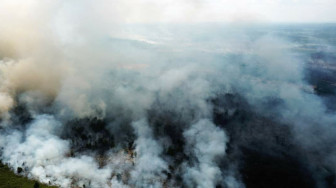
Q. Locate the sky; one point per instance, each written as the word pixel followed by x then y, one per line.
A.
pixel 153 11
pixel 221 10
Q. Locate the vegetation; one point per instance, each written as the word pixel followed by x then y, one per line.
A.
pixel 8 179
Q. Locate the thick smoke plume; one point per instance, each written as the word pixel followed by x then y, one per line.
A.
pixel 88 99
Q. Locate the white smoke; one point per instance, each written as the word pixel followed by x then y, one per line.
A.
pixel 42 155
pixel 149 166
pixel 207 143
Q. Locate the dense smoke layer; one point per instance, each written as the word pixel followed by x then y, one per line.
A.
pixel 86 101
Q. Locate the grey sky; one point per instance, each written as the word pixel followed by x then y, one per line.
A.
pixel 222 10
pixel 131 11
